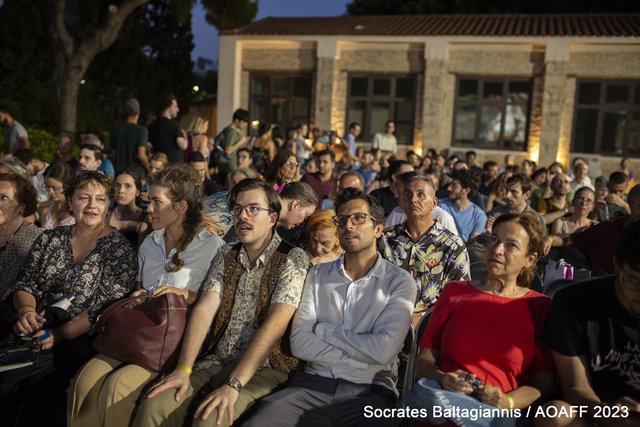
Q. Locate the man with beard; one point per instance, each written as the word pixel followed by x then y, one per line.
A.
pixel 351 324
pixel 247 300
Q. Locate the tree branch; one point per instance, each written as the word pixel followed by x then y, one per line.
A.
pixel 61 39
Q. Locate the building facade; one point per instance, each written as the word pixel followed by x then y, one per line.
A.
pixel 542 87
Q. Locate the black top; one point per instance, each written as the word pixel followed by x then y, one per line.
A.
pixel 386 198
pixel 210 187
pixel 163 134
pixel 125 139
pixel 587 319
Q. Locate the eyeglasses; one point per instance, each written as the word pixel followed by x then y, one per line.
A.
pixel 356 219
pixel 251 210
pixel 291 164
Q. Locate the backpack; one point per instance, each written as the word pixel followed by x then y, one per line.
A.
pixel 218 155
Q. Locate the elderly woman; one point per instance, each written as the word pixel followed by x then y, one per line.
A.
pixel 323 244
pixel 174 258
pixel 18 199
pixel 498 362
pixel 71 274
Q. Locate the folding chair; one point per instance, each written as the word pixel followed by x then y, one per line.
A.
pixel 410 372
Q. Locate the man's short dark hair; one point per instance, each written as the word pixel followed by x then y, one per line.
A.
pixel 466 180
pixel 411 152
pixel 522 179
pixel 245 149
pixel 349 194
pixel 4 109
pixel 538 172
pixel 196 157
pixel 618 177
pixel 241 115
pixel 470 153
pixel 388 122
pixel 300 191
pixel 97 151
pixel 395 165
pixel 326 152
pixel 25 155
pixel 353 125
pixel 489 164
pixel 165 102
pixel 273 200
pixel 405 177
pixel 627 250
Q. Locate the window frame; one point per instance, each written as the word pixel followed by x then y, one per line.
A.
pixel 602 107
pixel 481 102
pixel 367 133
pixel 270 95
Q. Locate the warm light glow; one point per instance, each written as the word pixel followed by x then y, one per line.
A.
pixel 418 151
pixel 83 81
pixel 255 123
pixel 196 88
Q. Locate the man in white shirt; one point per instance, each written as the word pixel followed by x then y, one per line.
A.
pixel 386 141
pixel 350 325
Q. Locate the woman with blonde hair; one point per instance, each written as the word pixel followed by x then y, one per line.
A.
pixel 174 258
pixel 197 136
pixel 323 244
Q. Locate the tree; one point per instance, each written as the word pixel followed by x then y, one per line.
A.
pixel 73 55
pixel 407 7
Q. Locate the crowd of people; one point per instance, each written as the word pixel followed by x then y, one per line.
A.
pixel 305 259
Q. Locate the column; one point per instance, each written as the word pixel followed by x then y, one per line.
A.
pixel 326 78
pixel 229 80
pixel 436 133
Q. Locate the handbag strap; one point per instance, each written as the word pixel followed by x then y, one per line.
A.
pixel 110 311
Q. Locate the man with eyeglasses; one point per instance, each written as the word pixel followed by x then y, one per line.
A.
pixel 432 254
pixel 239 322
pixel 593 331
pixel 350 326
pixel 322 181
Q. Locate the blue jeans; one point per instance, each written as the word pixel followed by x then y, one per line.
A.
pixel 443 406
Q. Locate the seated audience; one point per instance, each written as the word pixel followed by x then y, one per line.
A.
pixel 18 200
pixel 498 362
pixel 366 169
pixel 349 179
pixel 324 180
pixel 517 198
pixel 199 164
pixel 55 178
pixel 432 254
pixel 351 324
pixel 388 196
pixel 583 203
pixel 557 205
pixel 616 205
pixel 469 218
pixel 174 258
pixel 126 216
pixel 235 347
pixel 598 241
pixel 323 244
pixel 489 175
pixel 580 177
pixel 594 335
pixel 71 274
pixel 282 170
pixel 90 157
pixel 497 196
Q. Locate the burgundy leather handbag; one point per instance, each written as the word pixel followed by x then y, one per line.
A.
pixel 148 335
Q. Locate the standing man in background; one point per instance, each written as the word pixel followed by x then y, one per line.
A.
pixel 129 141
pixel 15 135
pixel 386 141
pixel 165 134
pixel 350 137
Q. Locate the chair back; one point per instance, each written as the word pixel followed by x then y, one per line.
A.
pixel 410 372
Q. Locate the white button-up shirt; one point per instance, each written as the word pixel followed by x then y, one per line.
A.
pixel 197 258
pixel 353 329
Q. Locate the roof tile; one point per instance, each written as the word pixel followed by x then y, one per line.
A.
pixel 560 25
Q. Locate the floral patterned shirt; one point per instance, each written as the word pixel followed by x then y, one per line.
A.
pixel 50 272
pixel 243 323
pixel 438 257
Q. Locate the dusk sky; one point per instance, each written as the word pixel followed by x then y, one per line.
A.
pixel 206 36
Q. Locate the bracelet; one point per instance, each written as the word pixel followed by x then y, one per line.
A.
pixel 511 403
pixel 185 368
pixel 28 306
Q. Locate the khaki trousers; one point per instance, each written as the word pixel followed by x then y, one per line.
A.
pixel 164 411
pixel 104 392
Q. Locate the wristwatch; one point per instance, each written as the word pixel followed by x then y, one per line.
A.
pixel 234 383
